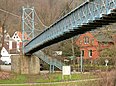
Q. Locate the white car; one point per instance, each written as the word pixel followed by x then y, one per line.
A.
pixel 6 60
pixel 7 63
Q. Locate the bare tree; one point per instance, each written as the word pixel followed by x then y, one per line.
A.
pixel 5 5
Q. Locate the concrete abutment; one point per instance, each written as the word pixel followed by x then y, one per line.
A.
pixel 25 64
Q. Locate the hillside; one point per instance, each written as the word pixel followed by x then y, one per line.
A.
pixel 47 10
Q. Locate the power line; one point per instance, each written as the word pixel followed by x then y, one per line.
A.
pixel 10 13
pixel 20 16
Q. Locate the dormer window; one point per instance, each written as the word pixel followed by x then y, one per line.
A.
pixel 15 34
pixel 86 39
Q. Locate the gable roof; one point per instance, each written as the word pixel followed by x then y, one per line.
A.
pixel 85 34
pixel 4 52
pixel 20 35
pixel 101 37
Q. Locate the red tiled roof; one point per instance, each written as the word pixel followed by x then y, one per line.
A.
pixel 20 35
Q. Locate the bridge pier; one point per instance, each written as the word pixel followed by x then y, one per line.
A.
pixel 25 64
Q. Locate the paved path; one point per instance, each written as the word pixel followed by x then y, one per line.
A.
pixel 51 83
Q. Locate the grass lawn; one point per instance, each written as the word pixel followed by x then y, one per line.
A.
pixel 14 79
pixel 41 78
pixel 56 77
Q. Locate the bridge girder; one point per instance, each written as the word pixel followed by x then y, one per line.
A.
pixel 86 17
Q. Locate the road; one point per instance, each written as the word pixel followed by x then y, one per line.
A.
pixel 6 67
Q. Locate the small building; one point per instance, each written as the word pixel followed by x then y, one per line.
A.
pixel 17 36
pixel 91 44
pixel 10 48
pixel 5 56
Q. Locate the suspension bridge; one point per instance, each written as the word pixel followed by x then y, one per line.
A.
pixel 90 15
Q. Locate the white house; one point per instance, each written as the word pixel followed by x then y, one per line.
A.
pixel 10 48
pixel 17 36
pixel 5 56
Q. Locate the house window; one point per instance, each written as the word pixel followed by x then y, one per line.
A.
pixel 15 34
pixel 90 53
pixel 8 37
pixel 92 41
pixel 86 40
pixel 82 53
pixel 3 51
pixel 80 42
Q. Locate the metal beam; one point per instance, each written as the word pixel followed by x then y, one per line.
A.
pixel 87 14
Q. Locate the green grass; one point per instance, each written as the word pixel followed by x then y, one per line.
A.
pixel 58 77
pixel 14 79
pixel 41 78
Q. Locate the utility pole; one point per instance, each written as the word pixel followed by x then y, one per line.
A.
pixel 81 62
pixel 73 52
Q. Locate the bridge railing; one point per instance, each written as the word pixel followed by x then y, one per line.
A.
pixel 82 15
pixel 49 59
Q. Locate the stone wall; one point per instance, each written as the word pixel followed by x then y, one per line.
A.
pixel 25 64
pixel 15 66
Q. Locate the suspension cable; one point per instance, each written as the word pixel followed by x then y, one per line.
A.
pixel 40 20
pixel 65 9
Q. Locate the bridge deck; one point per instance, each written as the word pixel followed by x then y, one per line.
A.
pixel 88 16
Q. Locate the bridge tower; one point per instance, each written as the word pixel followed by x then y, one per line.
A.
pixel 28 16
pixel 21 63
pixel 28 28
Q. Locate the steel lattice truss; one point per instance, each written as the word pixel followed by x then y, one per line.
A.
pixel 92 14
pixel 27 25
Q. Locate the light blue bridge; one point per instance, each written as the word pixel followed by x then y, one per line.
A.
pixel 90 15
